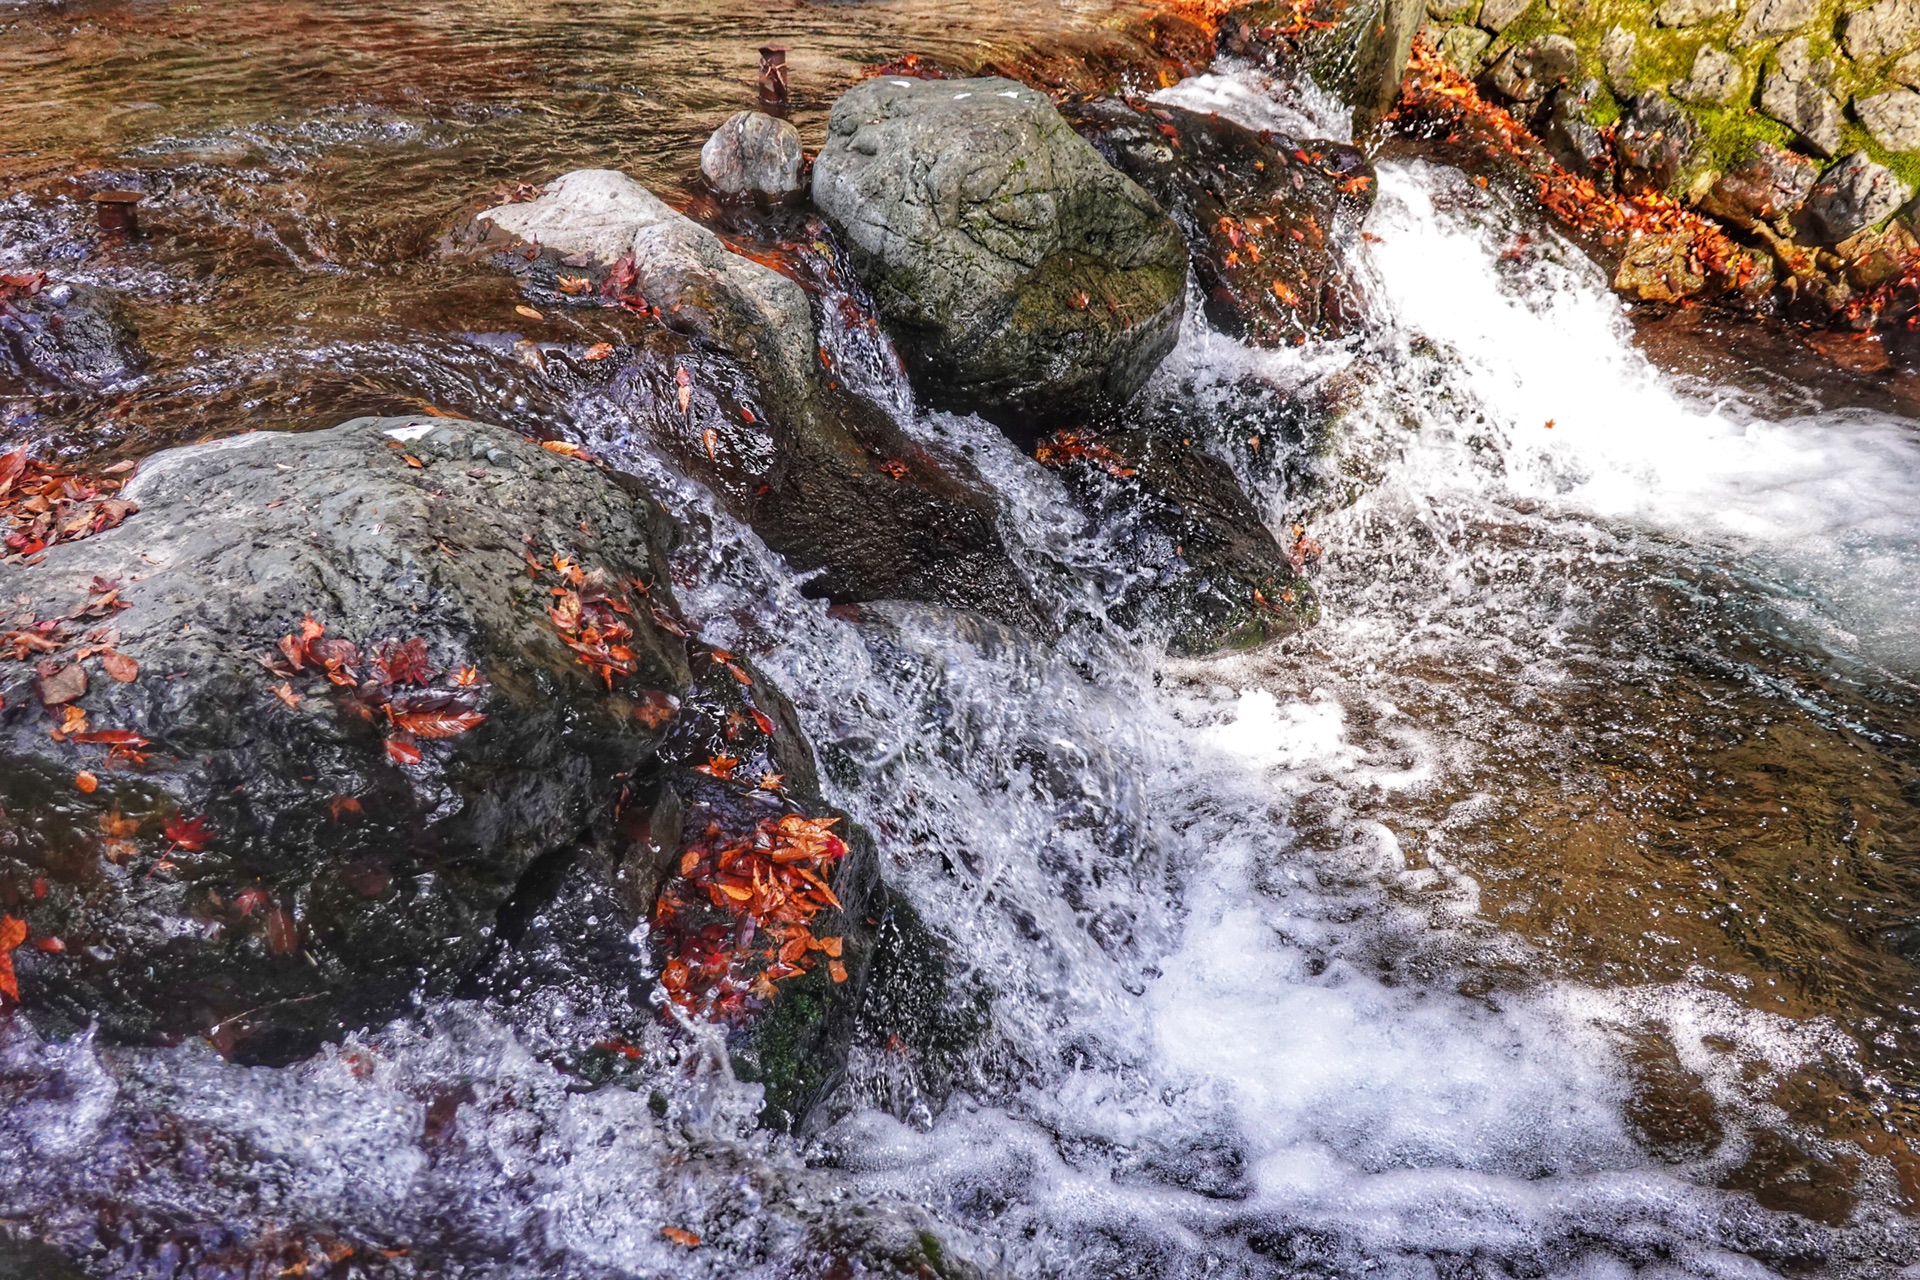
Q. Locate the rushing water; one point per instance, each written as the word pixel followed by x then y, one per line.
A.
pixel 1553 908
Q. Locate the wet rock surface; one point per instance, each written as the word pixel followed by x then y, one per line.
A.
pixel 262 843
pixel 827 477
pixel 1208 573
pixel 1019 274
pixel 1262 213
pixel 1654 144
pixel 71 335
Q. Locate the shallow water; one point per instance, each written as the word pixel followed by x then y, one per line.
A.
pixel 1550 909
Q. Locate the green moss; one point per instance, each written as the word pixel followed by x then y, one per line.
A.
pixel 1728 133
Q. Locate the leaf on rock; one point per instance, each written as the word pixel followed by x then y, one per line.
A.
pixel 681 1237
pixel 189 835
pixel 86 781
pixel 63 684
pixel 122 668
pixel 400 751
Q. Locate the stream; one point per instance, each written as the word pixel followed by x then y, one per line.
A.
pixel 1551 908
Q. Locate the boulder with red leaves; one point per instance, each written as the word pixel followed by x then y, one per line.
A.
pixel 66 334
pixel 278 748
pixel 1267 219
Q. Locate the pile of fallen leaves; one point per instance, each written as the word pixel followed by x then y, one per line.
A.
pixel 23 286
pixel 1064 447
pixel 739 918
pixel 1435 93
pixel 392 679
pixel 60 647
pixel 41 504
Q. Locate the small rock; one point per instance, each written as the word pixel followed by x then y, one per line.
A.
pixel 1530 71
pixel 1655 143
pixel 1881 30
pixel 753 154
pixel 1906 70
pixel 1451 10
pixel 1893 118
pixel 1852 196
pixel 1770 184
pixel 1497 15
pixel 1875 257
pixel 1769 18
pixel 1691 13
pixel 1463 47
pixel 1715 81
pixel 1619 58
pixel 1795 93
pixel 1569 132
pixel 1659 268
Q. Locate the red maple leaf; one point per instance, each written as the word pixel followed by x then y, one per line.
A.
pixel 190 835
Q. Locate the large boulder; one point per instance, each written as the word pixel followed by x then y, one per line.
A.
pixel 1261 212
pixel 829 479
pixel 1018 272
pixel 280 747
pixel 1770 183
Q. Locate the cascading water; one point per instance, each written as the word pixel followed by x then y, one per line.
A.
pixel 1425 944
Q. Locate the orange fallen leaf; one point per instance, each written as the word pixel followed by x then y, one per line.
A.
pixel 599 351
pixel 284 692
pixel 86 781
pixel 122 668
pixel 681 1237
pixel 529 313
pixel 402 752
pixel 562 447
pixel 13 932
pixel 411 461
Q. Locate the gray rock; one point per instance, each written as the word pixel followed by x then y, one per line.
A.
pixel 1018 272
pixel 806 452
pixel 1530 71
pixel 1770 184
pixel 1655 143
pixel 1796 93
pixel 1463 48
pixel 1569 132
pixel 1881 30
pixel 1620 59
pixel 1451 10
pixel 1893 118
pixel 1717 79
pixel 753 154
pixel 1497 15
pixel 333 876
pixel 1906 70
pixel 1691 13
pixel 1768 18
pixel 1852 196
pixel 750 310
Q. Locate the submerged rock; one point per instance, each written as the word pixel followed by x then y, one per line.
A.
pixel 1020 275
pixel 1260 212
pixel 73 335
pixel 753 154
pixel 827 478
pixel 1210 575
pixel 274 838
